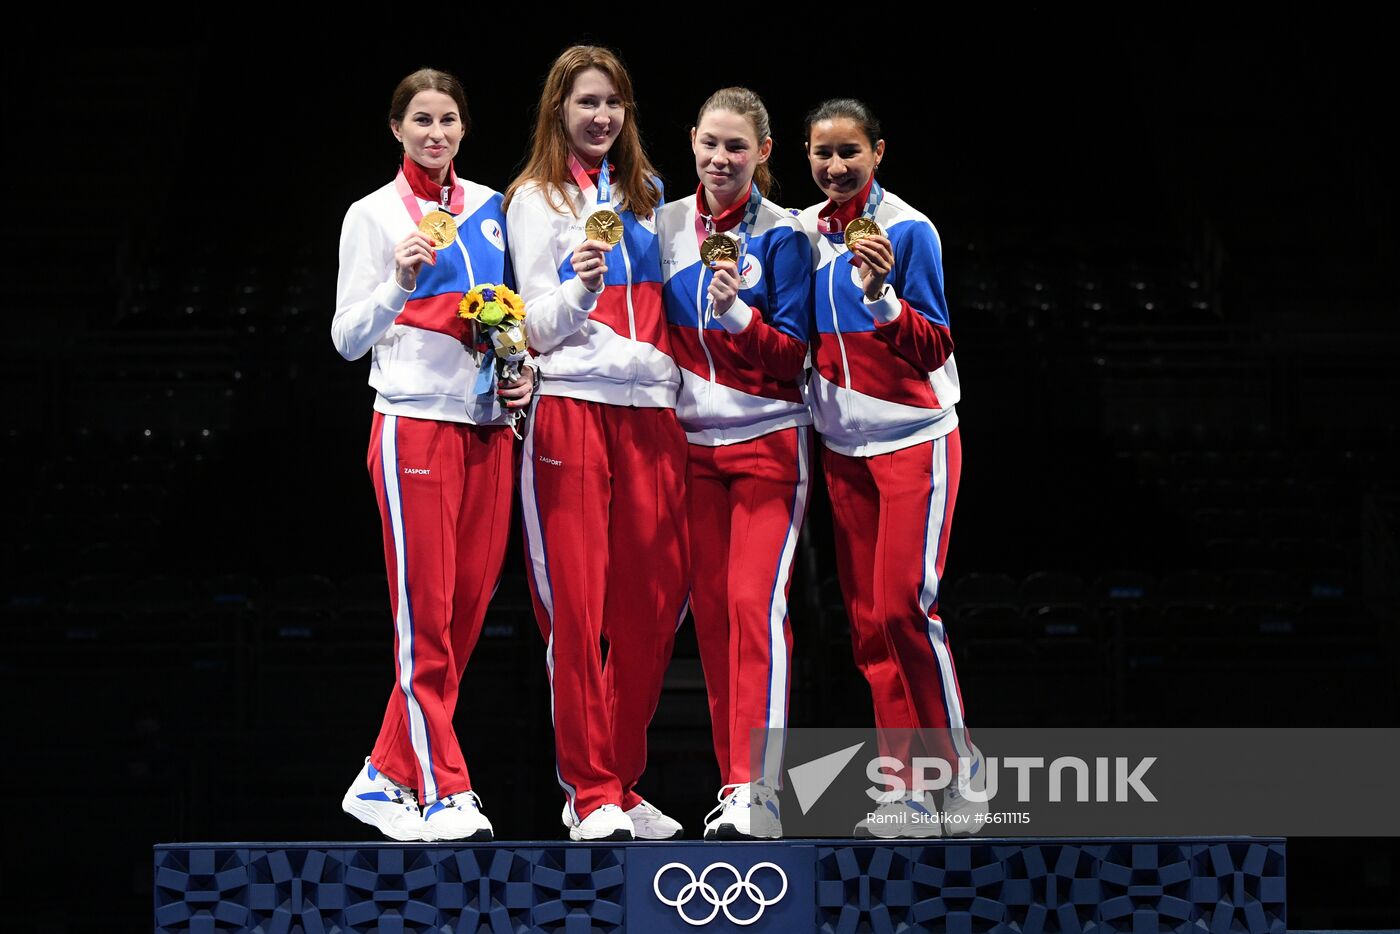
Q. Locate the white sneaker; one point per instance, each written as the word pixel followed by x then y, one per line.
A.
pixel 648 823
pixel 604 823
pixel 904 816
pixel 746 812
pixel 962 815
pixel 717 813
pixel 380 802
pixel 456 817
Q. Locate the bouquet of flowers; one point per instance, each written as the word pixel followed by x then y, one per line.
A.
pixel 499 316
pixel 500 326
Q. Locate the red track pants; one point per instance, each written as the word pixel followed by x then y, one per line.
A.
pixel 747 502
pixel 892 514
pixel 444 492
pixel 602 489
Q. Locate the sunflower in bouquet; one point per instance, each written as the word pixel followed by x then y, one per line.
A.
pixel 499 316
pixel 500 326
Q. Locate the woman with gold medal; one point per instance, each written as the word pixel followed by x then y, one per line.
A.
pixel 738 287
pixel 883 389
pixel 440 454
pixel 603 473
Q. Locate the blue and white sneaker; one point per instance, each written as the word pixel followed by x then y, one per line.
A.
pixel 382 803
pixel 746 811
pixel 456 817
pixel 904 815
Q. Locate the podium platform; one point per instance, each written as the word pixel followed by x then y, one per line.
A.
pixel 960 885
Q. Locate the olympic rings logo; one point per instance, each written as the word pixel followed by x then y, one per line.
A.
pixel 742 885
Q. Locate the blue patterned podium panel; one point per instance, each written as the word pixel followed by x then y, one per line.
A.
pixel 1211 886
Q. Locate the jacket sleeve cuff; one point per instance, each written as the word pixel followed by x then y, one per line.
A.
pixel 391 295
pixel 577 295
pixel 737 317
pixel 886 308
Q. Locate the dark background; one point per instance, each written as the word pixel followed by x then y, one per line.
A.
pixel 1166 255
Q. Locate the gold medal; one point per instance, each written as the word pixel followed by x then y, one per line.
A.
pixel 859 229
pixel 439 227
pixel 603 225
pixel 717 247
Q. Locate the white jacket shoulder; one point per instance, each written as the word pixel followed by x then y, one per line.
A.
pixel 475 196
pixel 901 210
pixel 536 198
pixel 675 216
pixel 771 215
pixel 381 199
pixel 807 217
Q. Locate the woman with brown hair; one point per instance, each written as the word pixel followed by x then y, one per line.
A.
pixel 738 287
pixel 602 481
pixel 440 453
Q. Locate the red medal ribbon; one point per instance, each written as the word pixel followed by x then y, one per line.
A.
pixel 586 179
pixel 581 178
pixel 833 218
pixel 412 182
pixel 725 221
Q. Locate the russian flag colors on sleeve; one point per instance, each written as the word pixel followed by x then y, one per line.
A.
pixel 865 399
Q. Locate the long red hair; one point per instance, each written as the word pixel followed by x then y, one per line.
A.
pixel 548 165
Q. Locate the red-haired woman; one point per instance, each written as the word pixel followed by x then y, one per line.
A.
pixel 440 453
pixel 602 481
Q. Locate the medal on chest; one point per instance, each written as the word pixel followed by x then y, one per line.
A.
pixel 860 228
pixel 863 226
pixel 438 225
pixel 604 224
pixel 718 247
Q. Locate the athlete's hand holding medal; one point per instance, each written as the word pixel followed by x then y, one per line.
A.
pixel 436 230
pixel 590 258
pixel 603 228
pixel 723 253
pixel 720 252
pixel 409 254
pixel 871 253
pixel 725 285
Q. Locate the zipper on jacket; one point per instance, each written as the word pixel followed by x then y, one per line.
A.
pixel 700 318
pixel 471 276
pixel 836 319
pixel 631 312
pixel 476 358
pixel 843 406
